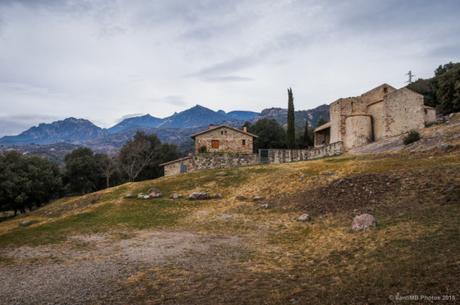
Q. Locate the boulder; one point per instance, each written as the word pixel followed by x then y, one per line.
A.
pixel 265 206
pixel 304 218
pixel 142 196
pixel 175 196
pixel 26 223
pixel 257 198
pixel 199 196
pixel 363 222
pixel 155 194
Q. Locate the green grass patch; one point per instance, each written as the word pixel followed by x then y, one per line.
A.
pixel 132 214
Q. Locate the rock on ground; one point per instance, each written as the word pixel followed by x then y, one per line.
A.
pixel 363 221
pixel 304 218
pixel 198 196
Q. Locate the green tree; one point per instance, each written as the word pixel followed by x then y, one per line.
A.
pixel 425 87
pixel 443 90
pixel 27 181
pixel 270 134
pixel 82 172
pixel 307 136
pixel 447 88
pixel 321 121
pixel 290 120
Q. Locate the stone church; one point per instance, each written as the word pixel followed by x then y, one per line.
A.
pixel 379 113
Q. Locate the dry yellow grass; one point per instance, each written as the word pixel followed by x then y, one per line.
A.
pixel 276 259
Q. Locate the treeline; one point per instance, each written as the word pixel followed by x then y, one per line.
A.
pixel 30 181
pixel 272 135
pixel 443 90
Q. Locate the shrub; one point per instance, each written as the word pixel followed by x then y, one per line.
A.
pixel 202 149
pixel 411 137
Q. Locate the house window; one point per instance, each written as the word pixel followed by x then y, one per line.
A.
pixel 243 142
pixel 222 132
pixel 215 144
pixel 385 89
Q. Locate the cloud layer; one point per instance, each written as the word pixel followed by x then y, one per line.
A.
pixel 104 59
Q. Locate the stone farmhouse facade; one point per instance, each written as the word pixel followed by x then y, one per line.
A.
pixel 224 138
pixel 379 113
pixel 217 147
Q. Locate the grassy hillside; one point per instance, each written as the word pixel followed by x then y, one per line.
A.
pixel 258 255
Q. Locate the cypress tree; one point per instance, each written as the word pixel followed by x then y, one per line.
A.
pixel 290 121
pixel 307 141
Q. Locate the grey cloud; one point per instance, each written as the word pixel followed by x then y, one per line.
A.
pixel 227 78
pixel 78 57
pixel 445 50
pixel 175 100
pixel 16 124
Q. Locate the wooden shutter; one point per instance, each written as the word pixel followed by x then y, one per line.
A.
pixel 215 144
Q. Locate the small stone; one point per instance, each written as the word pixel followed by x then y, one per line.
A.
pixel 265 206
pixel 217 196
pixel 26 223
pixel 241 198
pixel 363 222
pixel 304 218
pixel 257 198
pixel 445 146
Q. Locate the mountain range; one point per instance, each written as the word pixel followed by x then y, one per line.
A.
pixel 175 129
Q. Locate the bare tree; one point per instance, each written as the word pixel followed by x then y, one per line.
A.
pixel 138 153
pixel 107 165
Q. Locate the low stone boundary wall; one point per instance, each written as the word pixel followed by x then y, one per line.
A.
pixel 293 155
pixel 227 160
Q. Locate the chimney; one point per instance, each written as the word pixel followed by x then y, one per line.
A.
pixel 245 129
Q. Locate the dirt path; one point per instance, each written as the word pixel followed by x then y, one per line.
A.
pixel 95 269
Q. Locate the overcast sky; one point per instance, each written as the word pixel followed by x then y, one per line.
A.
pixel 103 60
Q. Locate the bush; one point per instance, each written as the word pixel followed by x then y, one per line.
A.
pixel 412 136
pixel 27 181
pixel 202 149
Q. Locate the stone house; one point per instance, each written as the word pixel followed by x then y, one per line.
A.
pixel 379 113
pixel 224 138
pixel 217 147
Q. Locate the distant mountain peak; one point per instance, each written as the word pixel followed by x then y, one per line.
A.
pixel 70 130
pixel 136 122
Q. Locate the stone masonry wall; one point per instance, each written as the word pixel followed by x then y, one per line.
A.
pixel 293 155
pixel 376 111
pixel 222 160
pixel 227 160
pixel 229 141
pixel 403 111
pixel 174 168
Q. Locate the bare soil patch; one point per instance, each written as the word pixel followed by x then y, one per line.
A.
pixel 95 269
